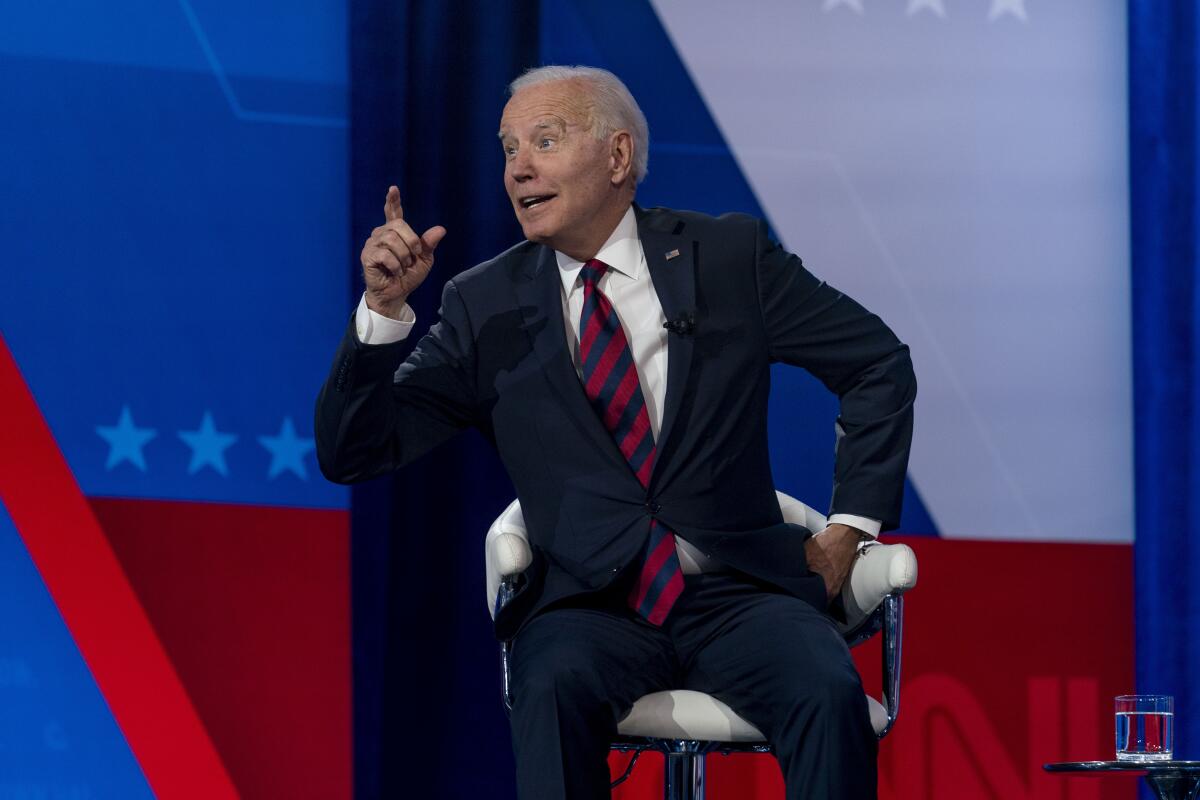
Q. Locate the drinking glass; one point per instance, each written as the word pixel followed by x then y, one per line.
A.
pixel 1145 727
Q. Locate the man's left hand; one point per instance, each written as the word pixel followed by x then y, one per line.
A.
pixel 831 553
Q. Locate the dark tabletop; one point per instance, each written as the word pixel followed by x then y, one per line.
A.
pixel 1177 767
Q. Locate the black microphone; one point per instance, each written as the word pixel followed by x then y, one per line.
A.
pixel 682 325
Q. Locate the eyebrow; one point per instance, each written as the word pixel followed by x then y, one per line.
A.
pixel 550 123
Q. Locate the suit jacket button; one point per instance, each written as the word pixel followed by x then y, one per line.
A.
pixel 652 507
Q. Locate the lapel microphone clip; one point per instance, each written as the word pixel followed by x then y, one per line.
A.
pixel 683 325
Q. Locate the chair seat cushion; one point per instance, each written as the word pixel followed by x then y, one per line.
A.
pixel 684 714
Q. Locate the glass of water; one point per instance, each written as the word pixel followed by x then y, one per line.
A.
pixel 1145 727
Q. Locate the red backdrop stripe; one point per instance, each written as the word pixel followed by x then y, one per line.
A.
pixel 94 597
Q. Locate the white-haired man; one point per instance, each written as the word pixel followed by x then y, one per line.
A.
pixel 619 360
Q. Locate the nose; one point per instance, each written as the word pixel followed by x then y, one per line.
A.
pixel 520 168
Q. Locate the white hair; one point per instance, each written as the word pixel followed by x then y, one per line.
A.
pixel 613 107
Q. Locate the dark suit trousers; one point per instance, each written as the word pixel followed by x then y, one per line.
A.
pixel 578 667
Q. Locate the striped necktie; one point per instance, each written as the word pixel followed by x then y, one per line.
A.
pixel 610 379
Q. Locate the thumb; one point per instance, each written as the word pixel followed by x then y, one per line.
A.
pixel 431 237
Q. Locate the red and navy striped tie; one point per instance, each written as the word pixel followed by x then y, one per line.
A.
pixel 610 379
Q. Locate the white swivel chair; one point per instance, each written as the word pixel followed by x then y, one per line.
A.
pixel 686 725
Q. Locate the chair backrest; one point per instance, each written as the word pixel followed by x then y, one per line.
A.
pixel 505 551
pixel 798 513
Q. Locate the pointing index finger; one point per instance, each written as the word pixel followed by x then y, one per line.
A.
pixel 391 206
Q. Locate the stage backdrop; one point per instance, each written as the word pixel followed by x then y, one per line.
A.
pixel 174 572
pixel 186 187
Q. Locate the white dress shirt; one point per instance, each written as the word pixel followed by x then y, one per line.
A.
pixel 629 288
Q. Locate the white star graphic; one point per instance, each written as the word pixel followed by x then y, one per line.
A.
pixel 917 6
pixel 1001 7
pixel 125 441
pixel 853 5
pixel 208 446
pixel 287 450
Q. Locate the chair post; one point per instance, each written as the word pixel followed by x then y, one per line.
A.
pixel 893 642
pixel 683 770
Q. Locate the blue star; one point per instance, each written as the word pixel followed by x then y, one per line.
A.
pixel 287 450
pixel 208 446
pixel 125 441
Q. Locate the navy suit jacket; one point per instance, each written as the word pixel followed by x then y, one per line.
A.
pixel 498 359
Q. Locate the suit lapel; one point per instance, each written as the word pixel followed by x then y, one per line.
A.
pixel 539 292
pixel 675 283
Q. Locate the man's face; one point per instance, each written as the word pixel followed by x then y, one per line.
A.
pixel 559 177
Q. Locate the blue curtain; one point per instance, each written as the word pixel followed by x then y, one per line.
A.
pixel 428 85
pixel 1163 149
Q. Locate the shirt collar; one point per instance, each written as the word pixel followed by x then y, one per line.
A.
pixel 622 252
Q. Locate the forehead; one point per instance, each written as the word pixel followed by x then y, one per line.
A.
pixel 559 103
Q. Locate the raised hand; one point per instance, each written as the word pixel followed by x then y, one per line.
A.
pixel 395 260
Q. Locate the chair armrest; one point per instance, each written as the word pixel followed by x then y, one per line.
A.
pixel 506 551
pixel 878 571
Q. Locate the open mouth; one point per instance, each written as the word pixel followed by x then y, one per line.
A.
pixel 536 200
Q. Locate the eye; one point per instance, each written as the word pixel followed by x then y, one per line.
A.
pixel 545 143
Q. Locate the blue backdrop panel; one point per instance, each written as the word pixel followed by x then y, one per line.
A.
pixel 57 735
pixel 175 224
pixel 269 39
pixel 1163 43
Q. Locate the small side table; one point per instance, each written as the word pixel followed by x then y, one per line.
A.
pixel 1170 780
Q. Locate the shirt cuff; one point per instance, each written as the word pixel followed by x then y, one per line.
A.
pixel 374 328
pixel 865 524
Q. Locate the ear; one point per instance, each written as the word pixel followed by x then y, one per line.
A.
pixel 620 156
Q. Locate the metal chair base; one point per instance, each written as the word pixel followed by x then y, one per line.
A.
pixel 684 776
pixel 683 761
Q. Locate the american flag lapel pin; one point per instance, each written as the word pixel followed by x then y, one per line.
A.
pixel 672 254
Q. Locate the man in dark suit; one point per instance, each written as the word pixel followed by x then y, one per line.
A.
pixel 619 360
